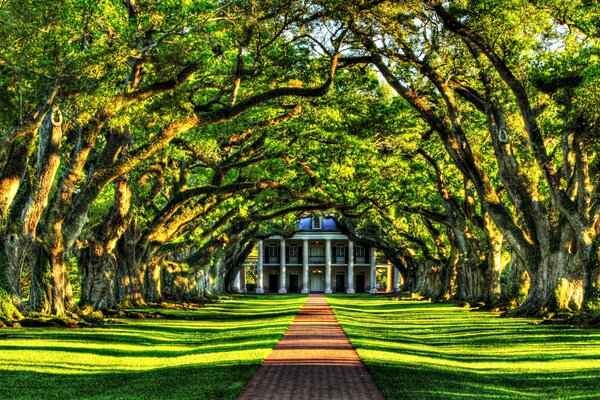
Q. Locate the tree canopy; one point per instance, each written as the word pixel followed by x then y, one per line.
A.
pixel 140 140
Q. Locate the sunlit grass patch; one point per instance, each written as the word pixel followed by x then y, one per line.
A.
pixel 424 350
pixel 210 355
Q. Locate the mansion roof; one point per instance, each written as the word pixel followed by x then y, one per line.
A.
pixel 327 224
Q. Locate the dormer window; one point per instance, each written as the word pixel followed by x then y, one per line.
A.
pixel 316 223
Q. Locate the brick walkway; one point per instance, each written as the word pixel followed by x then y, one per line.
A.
pixel 313 360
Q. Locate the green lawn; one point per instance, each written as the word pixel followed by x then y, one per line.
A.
pixel 418 350
pixel 211 356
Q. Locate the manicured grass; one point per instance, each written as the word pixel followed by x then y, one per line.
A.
pixel 419 350
pixel 210 356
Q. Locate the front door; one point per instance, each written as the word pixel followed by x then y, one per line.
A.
pixel 294 284
pixel 339 283
pixel 360 284
pixel 274 283
pixel 316 281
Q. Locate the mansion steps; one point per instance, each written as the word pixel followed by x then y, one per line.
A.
pixel 318 258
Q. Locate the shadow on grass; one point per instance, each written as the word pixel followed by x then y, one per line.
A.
pixel 407 381
pixel 155 333
pixel 181 382
pixel 223 315
pixel 471 356
pixel 213 356
pixel 237 308
pixel 428 351
pixel 253 342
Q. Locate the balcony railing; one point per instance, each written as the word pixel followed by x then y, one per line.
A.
pixel 293 259
pixel 313 260
pixel 271 260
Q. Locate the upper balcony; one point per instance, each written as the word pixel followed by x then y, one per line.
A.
pixel 312 260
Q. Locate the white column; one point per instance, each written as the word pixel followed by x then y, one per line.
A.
pixel 305 288
pixel 236 282
pixel 373 270
pixel 395 279
pixel 328 266
pixel 243 279
pixel 350 287
pixel 282 280
pixel 259 268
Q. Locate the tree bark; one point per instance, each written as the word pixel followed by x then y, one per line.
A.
pixel 153 280
pixel 450 276
pixel 130 274
pixel 8 309
pixel 556 265
pixel 98 269
pixel 534 240
pixel 41 285
pixel 494 262
pixel 62 296
pixel 18 245
pixel 558 282
pixel 11 176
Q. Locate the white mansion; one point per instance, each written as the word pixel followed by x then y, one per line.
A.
pixel 318 258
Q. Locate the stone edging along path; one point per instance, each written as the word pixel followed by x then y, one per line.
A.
pixel 313 360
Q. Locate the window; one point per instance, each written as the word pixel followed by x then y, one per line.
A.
pixel 293 251
pixel 316 222
pixel 273 251
pixel 359 251
pixel 340 254
pixel 316 253
pixel 273 254
pixel 317 249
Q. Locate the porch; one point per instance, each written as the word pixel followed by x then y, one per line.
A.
pixel 326 266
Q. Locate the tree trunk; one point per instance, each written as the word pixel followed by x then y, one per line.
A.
pixel 591 258
pixel 99 267
pixel 12 174
pixel 592 278
pixel 468 259
pixel 8 310
pixel 462 286
pixel 41 286
pixel 518 282
pixel 97 270
pixel 203 287
pixel 557 283
pixel 450 274
pixel 232 259
pixel 494 262
pixel 153 287
pixel 18 245
pixel 51 269
pixel 61 301
pixel 129 280
pixel 430 282
pixel 15 251
pixel 180 286
pixel 410 280
pixel 51 290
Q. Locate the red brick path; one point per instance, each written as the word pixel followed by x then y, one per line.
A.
pixel 313 360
